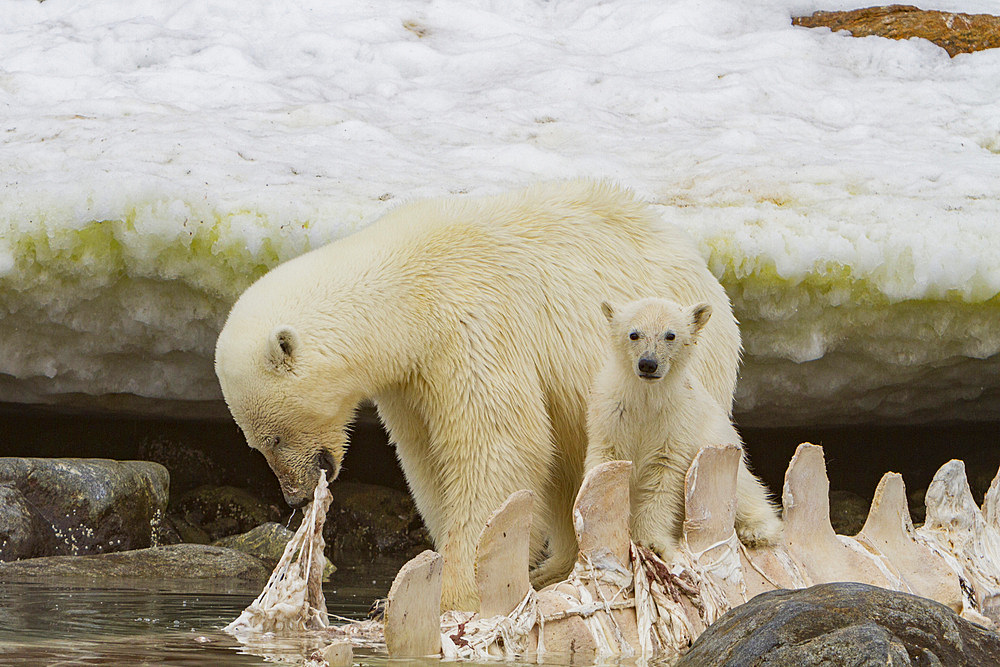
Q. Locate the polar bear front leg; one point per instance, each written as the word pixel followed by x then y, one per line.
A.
pixel 757 522
pixel 598 451
pixel 658 505
pixel 484 445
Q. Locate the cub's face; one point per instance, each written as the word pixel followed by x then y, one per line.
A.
pixel 654 337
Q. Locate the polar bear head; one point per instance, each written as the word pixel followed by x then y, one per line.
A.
pixel 655 337
pixel 269 386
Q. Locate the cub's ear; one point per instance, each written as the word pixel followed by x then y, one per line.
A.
pixel 699 316
pixel 608 310
pixel 282 346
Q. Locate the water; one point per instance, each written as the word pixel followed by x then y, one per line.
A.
pixel 136 622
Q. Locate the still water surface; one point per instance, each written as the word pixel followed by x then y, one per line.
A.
pixel 136 622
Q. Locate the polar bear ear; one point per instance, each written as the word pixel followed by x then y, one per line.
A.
pixel 608 310
pixel 282 345
pixel 699 316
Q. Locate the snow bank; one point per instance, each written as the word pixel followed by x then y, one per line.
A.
pixel 155 157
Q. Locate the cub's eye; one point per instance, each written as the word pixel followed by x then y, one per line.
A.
pixel 669 335
pixel 634 335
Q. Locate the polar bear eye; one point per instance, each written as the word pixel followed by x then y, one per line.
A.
pixel 669 335
pixel 634 335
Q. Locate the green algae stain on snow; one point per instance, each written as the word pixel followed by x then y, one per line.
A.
pixel 218 254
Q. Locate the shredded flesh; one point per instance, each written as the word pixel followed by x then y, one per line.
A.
pixel 292 600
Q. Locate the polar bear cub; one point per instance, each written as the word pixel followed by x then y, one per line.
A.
pixel 647 406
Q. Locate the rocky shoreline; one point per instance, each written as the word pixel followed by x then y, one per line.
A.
pixel 102 518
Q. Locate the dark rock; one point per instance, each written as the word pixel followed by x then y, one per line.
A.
pixel 954 32
pixel 848 512
pixel 373 519
pixel 266 542
pixel 843 624
pixel 220 511
pixel 178 561
pixel 177 529
pixel 23 533
pixel 189 466
pixel 918 510
pixel 82 506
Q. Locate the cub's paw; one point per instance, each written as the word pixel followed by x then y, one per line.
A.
pixel 762 533
pixel 665 549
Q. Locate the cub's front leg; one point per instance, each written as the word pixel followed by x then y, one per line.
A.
pixel 658 505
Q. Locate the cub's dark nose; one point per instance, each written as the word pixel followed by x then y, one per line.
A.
pixel 647 365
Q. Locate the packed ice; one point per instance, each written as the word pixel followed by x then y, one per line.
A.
pixel 155 157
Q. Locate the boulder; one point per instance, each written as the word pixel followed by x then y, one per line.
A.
pixel 220 511
pixel 177 561
pixel 266 542
pixel 842 624
pixel 78 506
pixel 23 533
pixel 373 519
pixel 954 32
pixel 189 466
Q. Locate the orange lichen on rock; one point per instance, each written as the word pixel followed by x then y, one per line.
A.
pixel 954 32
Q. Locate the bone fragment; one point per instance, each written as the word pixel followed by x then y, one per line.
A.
pixel 819 554
pixel 502 556
pixel 889 531
pixel 566 633
pixel 621 601
pixel 956 525
pixel 710 515
pixel 339 654
pixel 601 513
pixel 991 503
pixel 602 576
pixel 412 621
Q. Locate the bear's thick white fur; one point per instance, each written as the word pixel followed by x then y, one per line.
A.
pixel 649 406
pixel 474 325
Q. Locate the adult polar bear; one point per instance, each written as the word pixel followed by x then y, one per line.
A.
pixel 475 326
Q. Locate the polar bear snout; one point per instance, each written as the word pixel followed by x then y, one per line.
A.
pixel 646 368
pixel 295 500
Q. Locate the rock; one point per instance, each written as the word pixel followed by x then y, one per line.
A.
pixel 178 561
pixel 23 533
pixel 189 466
pixel 954 32
pixel 80 506
pixel 918 509
pixel 374 519
pixel 266 542
pixel 221 511
pixel 848 512
pixel 177 529
pixel 842 624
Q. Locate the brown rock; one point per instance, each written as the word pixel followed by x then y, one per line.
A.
pixel 848 512
pixel 177 561
pixel 373 519
pixel 953 32
pixel 220 511
pixel 843 623
pixel 72 506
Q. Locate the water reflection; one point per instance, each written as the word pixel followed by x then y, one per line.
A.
pixel 138 622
